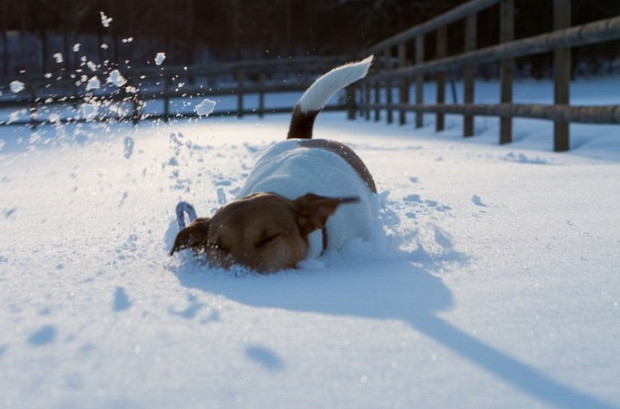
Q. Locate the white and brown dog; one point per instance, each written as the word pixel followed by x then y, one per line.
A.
pixel 303 197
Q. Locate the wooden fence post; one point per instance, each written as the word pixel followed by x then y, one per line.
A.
pixel 377 99
pixel 404 83
pixel 166 98
pixel 388 86
pixel 506 68
pixel 350 102
pixel 471 25
pixel 441 77
pixel 33 105
pixel 419 80
pixel 240 81
pixel 561 74
pixel 261 95
pixel 367 99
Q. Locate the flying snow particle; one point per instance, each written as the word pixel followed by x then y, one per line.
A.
pixel 58 57
pixel 91 66
pixel 105 20
pixel 89 111
pixel 14 116
pixel 116 78
pixel 93 83
pixel 76 47
pixel 159 58
pixel 205 108
pixel 17 86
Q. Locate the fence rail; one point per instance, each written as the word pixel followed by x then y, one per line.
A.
pixel 238 80
pixel 376 92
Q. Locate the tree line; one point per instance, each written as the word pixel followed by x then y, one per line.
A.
pixel 40 36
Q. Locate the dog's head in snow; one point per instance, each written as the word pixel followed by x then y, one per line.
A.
pixel 269 227
pixel 263 231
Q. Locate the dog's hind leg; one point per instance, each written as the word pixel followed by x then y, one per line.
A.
pixel 319 93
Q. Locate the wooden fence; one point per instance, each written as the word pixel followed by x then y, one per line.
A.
pixel 161 92
pixel 393 69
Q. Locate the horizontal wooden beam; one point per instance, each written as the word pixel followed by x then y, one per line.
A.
pixel 302 64
pixel 155 95
pixel 598 31
pixel 156 116
pixel 451 16
pixel 602 114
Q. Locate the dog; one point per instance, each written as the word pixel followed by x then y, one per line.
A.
pixel 303 197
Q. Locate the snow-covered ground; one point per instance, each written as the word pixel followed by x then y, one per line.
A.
pixel 496 285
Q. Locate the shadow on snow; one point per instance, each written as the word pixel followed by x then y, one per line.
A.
pixel 389 286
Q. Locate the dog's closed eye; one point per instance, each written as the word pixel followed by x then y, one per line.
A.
pixel 266 239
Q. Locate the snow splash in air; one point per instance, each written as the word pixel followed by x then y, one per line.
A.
pixel 17 86
pixel 105 20
pixel 159 58
pixel 205 108
pixel 116 78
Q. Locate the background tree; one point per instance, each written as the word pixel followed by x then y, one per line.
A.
pixel 191 31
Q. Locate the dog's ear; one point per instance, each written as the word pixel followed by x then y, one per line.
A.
pixel 312 211
pixel 193 236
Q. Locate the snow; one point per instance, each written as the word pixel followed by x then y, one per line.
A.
pixel 494 284
pixel 116 78
pixel 159 58
pixel 105 20
pixel 205 108
pixel 89 110
pixel 17 86
pixel 93 83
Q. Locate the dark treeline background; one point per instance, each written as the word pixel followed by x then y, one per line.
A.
pixel 40 36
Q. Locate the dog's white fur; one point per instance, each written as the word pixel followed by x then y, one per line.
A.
pixel 291 170
pixel 321 91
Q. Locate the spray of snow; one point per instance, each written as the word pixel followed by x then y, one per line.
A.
pixel 89 111
pixel 76 47
pixel 17 86
pixel 205 108
pixel 116 78
pixel 93 83
pixel 105 20
pixel 58 58
pixel 159 58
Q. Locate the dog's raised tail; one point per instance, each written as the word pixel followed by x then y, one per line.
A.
pixel 320 92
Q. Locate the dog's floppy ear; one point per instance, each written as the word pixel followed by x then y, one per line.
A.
pixel 193 236
pixel 312 211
